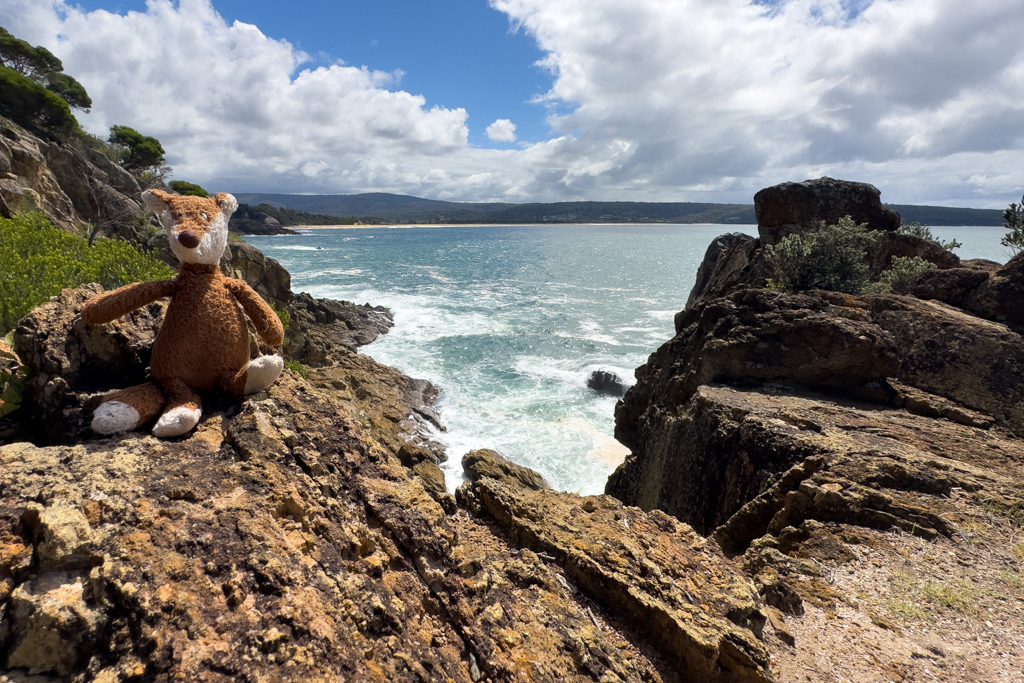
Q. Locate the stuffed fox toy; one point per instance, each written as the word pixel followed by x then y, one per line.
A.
pixel 203 342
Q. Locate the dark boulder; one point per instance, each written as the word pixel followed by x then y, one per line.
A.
pixel 605 382
pixel 952 286
pixel 1000 297
pixel 732 260
pixel 792 207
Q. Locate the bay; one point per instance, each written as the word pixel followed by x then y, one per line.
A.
pixel 509 322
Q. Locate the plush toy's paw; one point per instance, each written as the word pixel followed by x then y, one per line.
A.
pixel 176 422
pixel 262 372
pixel 113 417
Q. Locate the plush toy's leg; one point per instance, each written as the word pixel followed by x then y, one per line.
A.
pixel 183 410
pixel 127 409
pixel 259 374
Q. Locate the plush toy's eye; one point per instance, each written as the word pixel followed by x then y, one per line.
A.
pixel 205 217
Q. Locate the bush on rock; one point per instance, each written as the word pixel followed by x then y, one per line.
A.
pixel 833 257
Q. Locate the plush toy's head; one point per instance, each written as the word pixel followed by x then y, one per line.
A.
pixel 197 227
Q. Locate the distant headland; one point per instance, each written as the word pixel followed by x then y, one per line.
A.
pixel 381 207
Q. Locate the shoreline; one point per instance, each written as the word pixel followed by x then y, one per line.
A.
pixel 484 225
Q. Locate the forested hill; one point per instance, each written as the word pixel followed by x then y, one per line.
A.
pixel 396 208
pixel 405 209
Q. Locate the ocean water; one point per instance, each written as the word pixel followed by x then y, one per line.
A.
pixel 509 322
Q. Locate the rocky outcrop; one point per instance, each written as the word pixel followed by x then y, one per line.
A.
pixel 850 344
pixel 70 183
pixel 792 207
pixel 73 364
pixel 734 261
pixel 858 456
pixel 297 537
pixel 487 464
pixel 731 260
pixel 318 326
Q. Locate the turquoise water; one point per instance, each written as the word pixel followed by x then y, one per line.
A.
pixel 509 321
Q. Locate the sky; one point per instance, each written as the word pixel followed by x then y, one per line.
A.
pixel 558 100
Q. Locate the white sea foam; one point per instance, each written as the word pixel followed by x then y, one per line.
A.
pixel 509 330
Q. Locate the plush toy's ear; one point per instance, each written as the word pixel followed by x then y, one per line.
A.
pixel 226 202
pixel 156 200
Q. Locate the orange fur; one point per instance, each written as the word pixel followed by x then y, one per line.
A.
pixel 203 342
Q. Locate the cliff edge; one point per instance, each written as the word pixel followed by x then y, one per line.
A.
pixel 858 456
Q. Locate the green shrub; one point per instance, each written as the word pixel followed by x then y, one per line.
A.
pixel 925 233
pixel 31 105
pixel 38 260
pixel 832 257
pixel 185 188
pixel 902 275
pixel 297 367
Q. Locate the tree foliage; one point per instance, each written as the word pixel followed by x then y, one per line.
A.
pixel 833 257
pixel 38 260
pixel 142 152
pixel 186 188
pixel 69 90
pixel 1013 220
pixel 42 66
pixel 31 105
pixel 925 233
pixel 33 62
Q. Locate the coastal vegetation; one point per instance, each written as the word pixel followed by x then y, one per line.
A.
pixel 249 219
pixel 34 90
pixel 901 277
pixel 831 257
pixel 187 188
pixel 1013 220
pixel 39 260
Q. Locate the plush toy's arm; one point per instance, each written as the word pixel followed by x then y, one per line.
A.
pixel 263 317
pixel 111 305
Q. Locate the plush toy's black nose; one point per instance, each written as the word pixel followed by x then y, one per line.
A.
pixel 189 239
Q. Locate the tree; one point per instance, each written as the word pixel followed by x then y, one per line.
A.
pixel 33 62
pixel 43 67
pixel 31 105
pixel 185 188
pixel 142 151
pixel 70 90
pixel 1013 220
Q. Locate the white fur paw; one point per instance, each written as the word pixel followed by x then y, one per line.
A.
pixel 177 422
pixel 262 372
pixel 114 416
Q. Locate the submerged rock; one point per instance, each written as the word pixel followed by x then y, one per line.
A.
pixel 605 382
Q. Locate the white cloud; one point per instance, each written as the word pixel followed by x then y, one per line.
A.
pixel 698 100
pixel 730 96
pixel 502 130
